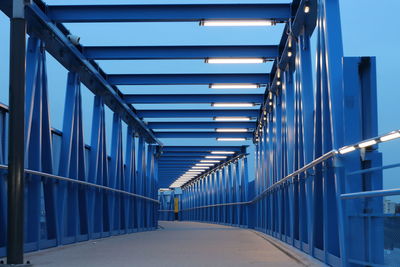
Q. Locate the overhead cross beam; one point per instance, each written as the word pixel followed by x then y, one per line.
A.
pixel 182 157
pixel 192 98
pixel 203 148
pixel 184 154
pixel 162 13
pixel 169 168
pixel 169 164
pixel 195 113
pixel 200 125
pixel 161 79
pixel 58 45
pixel 180 161
pixel 203 135
pixel 179 52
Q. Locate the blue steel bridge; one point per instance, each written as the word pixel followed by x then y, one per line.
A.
pixel 316 194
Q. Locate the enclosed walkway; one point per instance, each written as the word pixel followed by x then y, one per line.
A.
pixel 174 244
pixel 178 115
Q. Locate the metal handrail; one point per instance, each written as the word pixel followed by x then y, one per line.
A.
pixel 218 205
pixel 374 169
pixel 374 193
pixel 312 164
pixel 66 179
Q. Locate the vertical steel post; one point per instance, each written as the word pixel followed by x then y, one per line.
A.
pixel 15 243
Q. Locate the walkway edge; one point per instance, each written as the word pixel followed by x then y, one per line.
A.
pixel 292 252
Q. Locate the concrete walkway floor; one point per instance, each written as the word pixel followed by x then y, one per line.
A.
pixel 174 244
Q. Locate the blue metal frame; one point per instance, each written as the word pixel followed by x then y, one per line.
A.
pixel 63 212
pixel 301 194
pixel 146 13
pixel 175 161
pixel 200 78
pixel 179 52
pixel 199 125
pixel 195 113
pixel 203 135
pixel 194 98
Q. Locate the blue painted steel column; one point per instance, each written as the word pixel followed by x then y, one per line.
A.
pixel 130 177
pixel 290 140
pixel 307 111
pixel 116 178
pixel 71 199
pixel 150 186
pixel 39 153
pixel 140 183
pixel 98 173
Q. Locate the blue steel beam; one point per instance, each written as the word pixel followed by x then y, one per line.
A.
pixel 173 171
pixel 184 154
pixel 175 165
pixel 166 162
pixel 193 98
pixel 172 168
pixel 179 161
pixel 160 79
pixel 176 162
pixel 202 148
pixel 180 167
pixel 58 45
pixel 174 174
pixel 195 113
pixel 203 135
pixel 170 177
pixel 200 125
pixel 182 157
pixel 179 52
pixel 149 13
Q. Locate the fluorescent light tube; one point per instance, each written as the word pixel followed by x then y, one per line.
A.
pixel 231 130
pixel 234 86
pixel 234 60
pixel 231 139
pixel 233 105
pixel 237 23
pixel 231 118
pixel 222 152
pixel 216 157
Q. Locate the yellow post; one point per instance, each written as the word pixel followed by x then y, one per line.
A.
pixel 176 207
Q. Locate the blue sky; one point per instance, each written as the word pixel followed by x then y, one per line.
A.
pixel 370 28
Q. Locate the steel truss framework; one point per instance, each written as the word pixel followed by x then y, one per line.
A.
pixel 301 194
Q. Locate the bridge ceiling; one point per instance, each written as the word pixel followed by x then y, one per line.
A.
pixel 228 106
